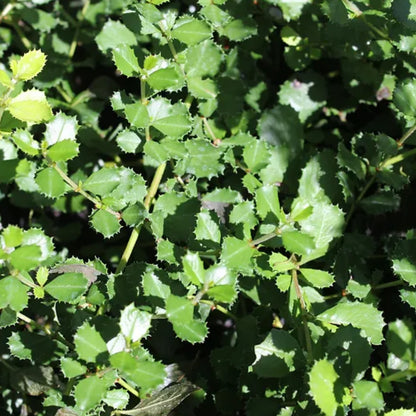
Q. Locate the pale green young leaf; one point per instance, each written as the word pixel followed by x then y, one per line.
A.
pixel 67 287
pixel 179 309
pixel 318 278
pixel 61 127
pixel 137 114
pixel 267 202
pixel 280 263
pixel 125 59
pixel 291 9
pixel 30 106
pixel 12 236
pixel 128 141
pixel 105 223
pixel 297 242
pixel 322 378
pixel 29 65
pixel 401 412
pixel 72 368
pixel 134 323
pixel 367 395
pixel 50 183
pixel 191 31
pixel 206 228
pixel 64 150
pixel 360 315
pixel 113 34
pixel 90 391
pixel 117 398
pixel 5 79
pixel 89 343
pixel 13 294
pixel 192 331
pixel 194 268
pixel 25 142
pixel 26 257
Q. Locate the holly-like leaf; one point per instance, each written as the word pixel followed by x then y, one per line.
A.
pixel 72 368
pixel 322 378
pixel 317 278
pixel 202 88
pixel 134 323
pixel 26 257
pixel 194 331
pixel 13 294
pixel 194 268
pixel 90 391
pixel 50 183
pixel 367 395
pixel 191 31
pixel 240 29
pixel 297 242
pixel 30 106
pixel 64 150
pixel 125 59
pixel 89 344
pixel 360 315
pixel 67 287
pixel 256 155
pixel 103 181
pixel 128 141
pixel 198 55
pixel 105 223
pixel 61 127
pixel 13 236
pixel 203 159
pixel 113 34
pixel 25 142
pixel 237 254
pixel 206 228
pixel 29 65
pixel 179 309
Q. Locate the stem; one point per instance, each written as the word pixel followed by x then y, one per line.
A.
pixel 77 30
pixel 398 158
pixel 264 238
pixel 127 386
pixel 406 136
pixel 299 295
pixel 25 281
pixel 7 10
pixel 144 102
pixel 219 308
pixel 76 188
pixel 136 231
pixel 400 375
pixel 26 42
pixel 388 284
pixel 209 129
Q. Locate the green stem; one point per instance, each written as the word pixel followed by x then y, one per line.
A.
pixel 144 102
pixel 219 308
pixel 136 231
pixel 398 158
pixel 406 136
pixel 209 129
pixel 127 386
pixel 299 295
pixel 7 10
pixel 78 28
pixel 25 281
pixel 400 375
pixel 26 42
pixel 388 284
pixel 264 238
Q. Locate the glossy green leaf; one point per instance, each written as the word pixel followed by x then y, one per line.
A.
pixel 13 294
pixel 191 31
pixel 128 141
pixel 113 34
pixel 25 142
pixel 64 150
pixel 26 257
pixel 67 287
pixel 256 155
pixel 367 395
pixel 318 278
pixel 144 374
pixel 206 228
pixel 237 254
pixel 90 391
pixel 280 263
pixel 240 29
pixel 203 60
pixel 400 339
pixel 72 368
pixel 12 235
pixel 203 159
pixel 134 323
pixel 179 309
pixel 360 315
pixel 202 88
pixel 137 114
pixel 50 183
pixel 297 242
pixel 194 268
pixel 103 181
pixel 5 78
pixel 125 60
pixel 406 269
pixel 169 78
pixel 105 223
pixel 192 331
pixel 61 127
pixel 401 412
pixel 29 65
pixel 116 398
pixel 322 378
pixel 30 106
pixel 153 285
pixel 89 344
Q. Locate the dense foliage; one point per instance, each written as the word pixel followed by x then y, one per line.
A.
pixel 209 201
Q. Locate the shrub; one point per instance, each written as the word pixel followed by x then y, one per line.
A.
pixel 207 201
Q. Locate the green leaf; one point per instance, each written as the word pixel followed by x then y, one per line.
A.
pixel 89 344
pixel 30 106
pixel 404 98
pixel 406 269
pixel 256 155
pixel 203 159
pixel 113 34
pixel 144 374
pixel 26 257
pixel 134 215
pixel 400 339
pixel 194 268
pixel 50 183
pixel 117 398
pixel 179 309
pixel 12 236
pixel 367 395
pixel 322 378
pixel 191 31
pixel 318 278
pixel 24 141
pixel 5 79
pixel 166 78
pixel 297 242
pixel 103 181
pixel 72 368
pixel 359 315
pixel 64 150
pixel 125 60
pixel 61 127
pixel 105 223
pixel 237 254
pixel 206 228
pixel 202 88
pixel 197 57
pixel 154 286
pixel 128 141
pixel 29 65
pixel 8 317
pixel 90 391
pixel 192 331
pixel 240 29
pixel 401 412
pixel 67 287
pixel 13 294
pixel 277 356
pixel 280 263
pixel 156 151
pixel 134 323
pixel 137 114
